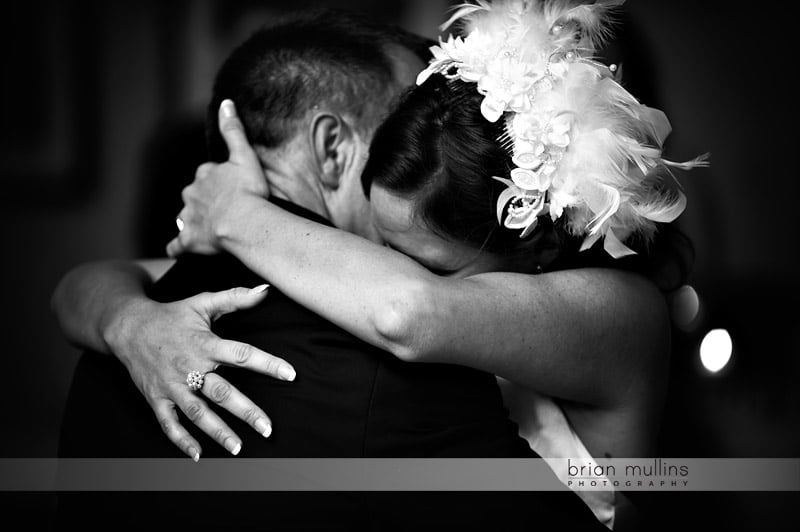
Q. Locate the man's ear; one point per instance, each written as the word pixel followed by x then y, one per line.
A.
pixel 329 141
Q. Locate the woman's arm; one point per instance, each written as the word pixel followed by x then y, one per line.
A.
pixel 577 334
pixel 589 335
pixel 89 298
pixel 594 336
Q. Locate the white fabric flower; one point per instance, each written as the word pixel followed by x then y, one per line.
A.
pixel 528 155
pixel 540 143
pixel 505 85
pixel 529 180
pixel 521 206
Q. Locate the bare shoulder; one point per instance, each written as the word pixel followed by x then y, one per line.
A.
pixel 627 423
pixel 643 322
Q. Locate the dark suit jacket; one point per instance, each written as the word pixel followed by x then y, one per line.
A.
pixel 349 399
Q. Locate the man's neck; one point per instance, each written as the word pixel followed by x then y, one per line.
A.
pixel 308 201
pixel 291 181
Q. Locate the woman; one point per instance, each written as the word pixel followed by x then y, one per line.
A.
pixel 533 162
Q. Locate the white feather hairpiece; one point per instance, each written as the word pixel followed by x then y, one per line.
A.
pixel 583 147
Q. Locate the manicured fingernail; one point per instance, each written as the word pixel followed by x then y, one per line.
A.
pixel 286 373
pixel 194 453
pixel 227 108
pixel 258 289
pixel 263 427
pixel 233 446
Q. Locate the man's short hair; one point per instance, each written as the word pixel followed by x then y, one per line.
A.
pixel 331 58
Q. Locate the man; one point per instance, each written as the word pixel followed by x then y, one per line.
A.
pixel 310 93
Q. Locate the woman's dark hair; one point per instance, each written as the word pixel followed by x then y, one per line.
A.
pixel 438 150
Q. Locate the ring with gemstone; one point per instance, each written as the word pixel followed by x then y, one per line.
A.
pixel 195 380
pixel 179 223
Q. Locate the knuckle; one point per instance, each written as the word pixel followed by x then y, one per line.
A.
pixel 186 193
pixel 271 365
pixel 250 415
pixel 202 171
pixel 208 345
pixel 150 391
pixel 205 343
pixel 201 296
pixel 242 353
pixel 239 291
pixel 231 124
pixel 195 410
pixel 166 425
pixel 184 442
pixel 180 362
pixel 220 434
pixel 220 392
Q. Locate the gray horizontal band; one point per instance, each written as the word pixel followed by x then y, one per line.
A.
pixel 398 474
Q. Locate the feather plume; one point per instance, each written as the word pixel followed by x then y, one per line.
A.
pixel 568 121
pixel 461 11
pixel 588 26
pixel 665 210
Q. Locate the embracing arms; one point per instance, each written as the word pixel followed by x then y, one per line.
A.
pixel 590 336
pixel 586 335
pixel 575 334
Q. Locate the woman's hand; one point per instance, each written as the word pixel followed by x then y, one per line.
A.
pixel 217 188
pixel 160 343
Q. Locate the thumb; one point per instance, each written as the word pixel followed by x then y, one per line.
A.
pixel 233 132
pixel 217 304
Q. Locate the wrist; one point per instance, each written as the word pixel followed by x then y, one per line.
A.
pixel 121 321
pixel 231 227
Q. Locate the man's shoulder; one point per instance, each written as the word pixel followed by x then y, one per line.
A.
pixel 192 274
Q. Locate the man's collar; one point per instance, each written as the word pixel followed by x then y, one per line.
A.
pixel 300 211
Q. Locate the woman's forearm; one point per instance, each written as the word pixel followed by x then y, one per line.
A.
pixel 362 287
pixel 91 298
pixel 575 334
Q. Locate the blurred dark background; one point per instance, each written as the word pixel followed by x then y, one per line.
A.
pixel 102 127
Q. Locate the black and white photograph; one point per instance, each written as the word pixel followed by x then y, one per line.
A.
pixel 411 265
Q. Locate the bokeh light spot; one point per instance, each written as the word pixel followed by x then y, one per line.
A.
pixel 685 307
pixel 716 349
